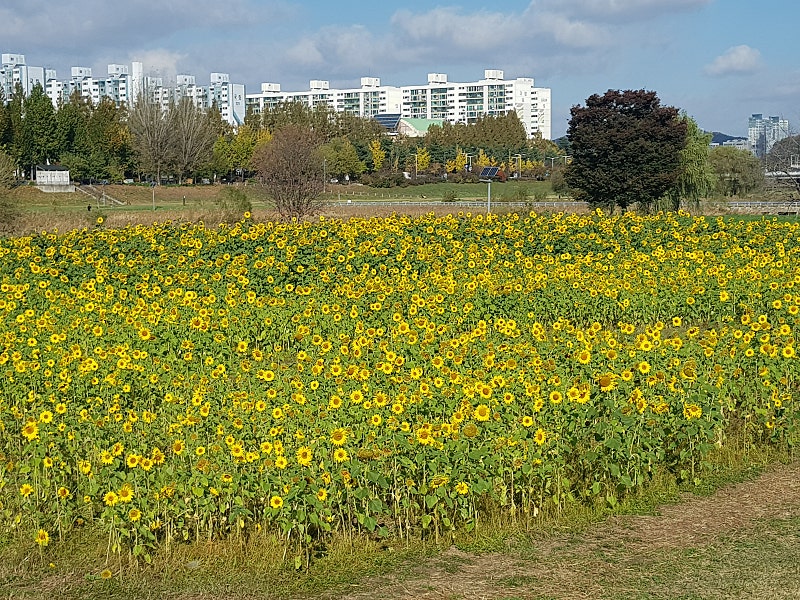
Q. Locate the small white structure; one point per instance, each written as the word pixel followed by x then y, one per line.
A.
pixel 53 178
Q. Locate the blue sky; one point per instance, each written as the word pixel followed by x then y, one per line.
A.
pixel 719 60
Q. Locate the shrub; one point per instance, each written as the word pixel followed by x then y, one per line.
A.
pixel 232 203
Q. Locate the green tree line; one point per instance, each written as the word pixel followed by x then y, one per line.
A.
pixel 626 149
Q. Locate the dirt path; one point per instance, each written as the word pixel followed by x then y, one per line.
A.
pixel 609 554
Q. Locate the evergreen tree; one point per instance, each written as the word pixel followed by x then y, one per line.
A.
pixel 38 139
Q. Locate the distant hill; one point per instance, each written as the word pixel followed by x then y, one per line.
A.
pixel 720 138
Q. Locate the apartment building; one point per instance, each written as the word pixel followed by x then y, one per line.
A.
pixel 116 86
pixel 764 132
pixel 13 71
pixel 438 99
pixel 367 101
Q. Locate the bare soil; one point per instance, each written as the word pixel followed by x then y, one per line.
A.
pixel 607 556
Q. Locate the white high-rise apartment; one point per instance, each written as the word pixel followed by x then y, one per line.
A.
pixel 13 71
pixel 369 100
pixel 763 133
pixel 438 99
pixel 467 102
pixel 116 86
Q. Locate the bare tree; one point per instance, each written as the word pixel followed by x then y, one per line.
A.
pixel 291 169
pixel 152 134
pixel 783 161
pixel 8 210
pixel 193 137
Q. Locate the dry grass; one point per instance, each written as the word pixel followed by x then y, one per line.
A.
pixel 633 556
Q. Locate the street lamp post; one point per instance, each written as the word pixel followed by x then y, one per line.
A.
pixel 488 195
pixel 552 159
pixel 519 165
pixel 324 174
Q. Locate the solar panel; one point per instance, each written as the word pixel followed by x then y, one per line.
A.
pixel 489 172
pixel 388 120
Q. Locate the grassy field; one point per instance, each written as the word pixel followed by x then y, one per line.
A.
pixel 734 537
pixel 143 205
pixel 172 197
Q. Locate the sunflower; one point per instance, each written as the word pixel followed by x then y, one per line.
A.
pixel 482 412
pixel 607 382
pixel 126 493
pixel 25 490
pixel 322 494
pixel 692 411
pixel 134 514
pixel 556 397
pixel 470 430
pixel 338 436
pixel 110 498
pixel 304 456
pixel 340 455
pixel 276 502
pixel 42 537
pixel 540 437
pixel 462 488
pixel 424 435
pixel 281 462
pixel 30 431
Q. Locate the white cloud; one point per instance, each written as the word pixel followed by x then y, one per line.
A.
pixel 620 10
pixel 161 63
pixel 74 25
pixel 738 60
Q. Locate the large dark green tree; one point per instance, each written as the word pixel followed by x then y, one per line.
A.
pixel 625 149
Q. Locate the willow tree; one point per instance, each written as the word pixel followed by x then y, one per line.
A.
pixel 696 179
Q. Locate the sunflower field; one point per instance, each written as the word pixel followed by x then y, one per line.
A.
pixel 395 375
